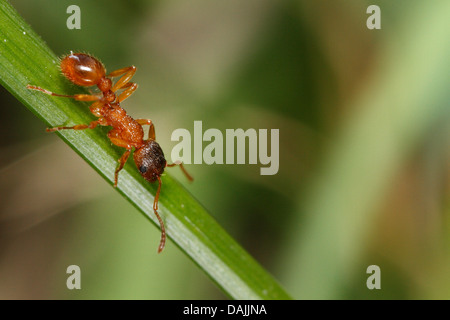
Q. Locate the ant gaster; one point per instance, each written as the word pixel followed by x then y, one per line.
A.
pixel 85 70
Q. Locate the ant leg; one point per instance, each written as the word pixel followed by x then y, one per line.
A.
pixel 92 125
pixel 130 88
pixel 97 109
pixel 79 97
pixel 115 138
pixel 151 130
pixel 179 163
pixel 123 159
pixel 162 242
pixel 127 72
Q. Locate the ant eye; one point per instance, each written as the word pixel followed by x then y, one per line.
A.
pixel 143 169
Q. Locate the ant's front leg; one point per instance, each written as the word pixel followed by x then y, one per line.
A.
pixel 123 159
pixel 179 163
pixel 151 130
pixel 116 139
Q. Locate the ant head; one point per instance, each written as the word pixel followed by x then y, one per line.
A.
pixel 150 160
pixel 82 69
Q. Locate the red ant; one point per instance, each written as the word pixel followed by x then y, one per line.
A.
pixel 85 70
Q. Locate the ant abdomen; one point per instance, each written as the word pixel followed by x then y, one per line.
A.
pixel 150 160
pixel 82 69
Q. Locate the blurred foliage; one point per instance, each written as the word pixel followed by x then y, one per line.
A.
pixel 364 158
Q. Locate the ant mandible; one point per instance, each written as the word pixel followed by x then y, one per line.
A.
pixel 85 70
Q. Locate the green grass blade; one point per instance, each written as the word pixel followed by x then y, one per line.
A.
pixel 25 59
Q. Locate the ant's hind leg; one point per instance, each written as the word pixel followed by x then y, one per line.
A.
pixel 130 87
pixel 92 125
pixel 179 163
pixel 127 72
pixel 79 97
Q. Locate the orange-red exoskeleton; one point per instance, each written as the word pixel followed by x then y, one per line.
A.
pixel 85 70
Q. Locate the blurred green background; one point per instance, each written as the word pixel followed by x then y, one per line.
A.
pixel 364 172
